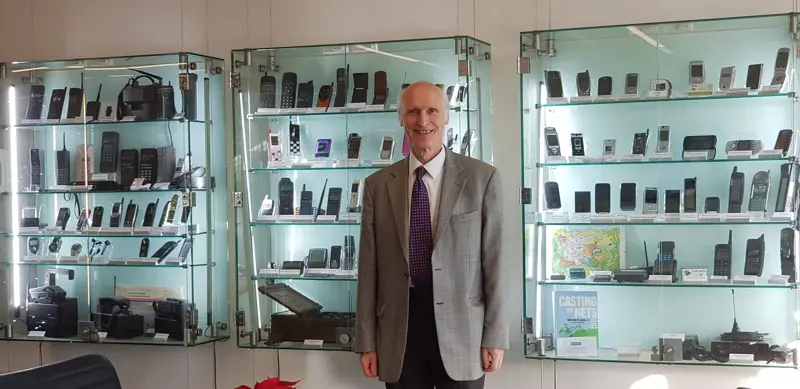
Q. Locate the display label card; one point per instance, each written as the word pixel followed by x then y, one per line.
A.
pixel 143 230
pixel 268 111
pixel 326 218
pixel 102 335
pixel 580 99
pixel 689 217
pixel 346 273
pixel 304 218
pixel 559 159
pixel 719 280
pixel 128 119
pixel 161 185
pixel 738 91
pixel 779 280
pixel 356 105
pixel 641 218
pixel 603 99
pixel 673 336
pixel 737 217
pixel 660 278
pixel 381 162
pixel 661 157
pixel 138 184
pixel 336 109
pixel 313 342
pixel 118 261
pixel 694 274
pixel 376 107
pixel 50 121
pixel 700 155
pixel 770 154
pixel 553 217
pixel 57 188
pixel 68 259
pixel 161 337
pixel 631 158
pixel 30 122
pixel 756 216
pixel 770 89
pixel 654 94
pixel 348 219
pixel 267 218
pixel 557 100
pixel 320 272
pixel 317 110
pixel 290 273
pixel 168 230
pixel 607 218
pixel 582 217
pixel 36 334
pixel 740 154
pixel 269 272
pixel 742 279
pixel 29 230
pixel 394 107
pixel 742 358
pixel 630 97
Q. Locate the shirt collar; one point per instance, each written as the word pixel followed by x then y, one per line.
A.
pixel 434 167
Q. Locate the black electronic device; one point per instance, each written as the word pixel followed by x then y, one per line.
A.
pixel 712 205
pixel 759 192
pixel 739 342
pixel 583 202
pixel 305 94
pixel 336 257
pixel 83 219
pixel 324 97
pixel 723 255
pixel 172 206
pixel 93 107
pixel 130 214
pixel 294 140
pixel 306 196
pixel 551 138
pixel 129 166
pixel 188 87
pixel 754 76
pixel 360 86
pixel 288 90
pixel 55 245
pixel 342 76
pixel 35 102
pixel 354 146
pixel 116 213
pixel 97 216
pixel 147 101
pixel 640 143
pixel 164 250
pixel 635 274
pixel 319 210
pixel 62 162
pixel 783 188
pixel 552 196
pixel 56 107
pixel 584 83
pixel 665 263
pixel 267 91
pixel 334 201
pixel 736 191
pixel 632 84
pixel 286 196
pixel 148 166
pixel 627 196
pixel 788 254
pixel 349 259
pixel 602 198
pixel 672 201
pixel 754 257
pixel 700 143
pixel 650 201
pixel 75 249
pixel 150 214
pixel 74 103
pixel 783 141
pixel 604 86
pixel 690 195
pixel 381 90
pixel 34 245
pixel 317 258
pixel 36 169
pixel 63 218
pixel 109 151
pixel 553 84
pixel 144 248
pixel 578 148
pixel 51 311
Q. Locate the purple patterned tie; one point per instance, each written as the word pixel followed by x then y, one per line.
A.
pixel 420 245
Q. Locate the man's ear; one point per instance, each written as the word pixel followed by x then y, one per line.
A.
pixel 447 116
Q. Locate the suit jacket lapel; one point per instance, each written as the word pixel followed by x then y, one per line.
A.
pixel 398 197
pixel 452 185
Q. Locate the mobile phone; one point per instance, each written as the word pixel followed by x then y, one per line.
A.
pixel 166 163
pixel 665 263
pixel 116 214
pixel 288 90
pixel 150 214
pixel 672 201
pixel 323 148
pixel 736 191
pixel 604 86
pixel 783 188
pixel 63 218
pixel 286 196
pixel 305 94
pixel 712 205
pixel 360 86
pixel 36 169
pixel 754 76
pixel 354 146
pixel 759 192
pixel 466 142
pixel 35 102
pixel 164 250
pixel 144 248
pixel 583 202
pixel 754 257
pixel 553 84
pixel 609 147
pixel 781 64
pixel 632 84
pixel 784 141
pixel 336 257
pixel 584 84
pixel 55 245
pixel 75 103
pixel 650 200
pixel 294 140
pixel 387 149
pixel 62 161
pixel 109 151
pixel 275 149
pixel 381 91
pixel 577 145
pixel 306 196
pixel 697 73
pixel 267 91
pixel 148 165
pixel 627 196
pixel 83 219
pixel 551 139
pixel 56 107
pixel 97 216
pixel 93 107
pixel 324 96
pixel 690 195
pixel 404 86
pixel 130 214
pixel 172 205
pixel 722 257
pixel 84 164
pixel 334 201
pixel 640 143
pixel 787 254
pixel 727 78
pixel 129 166
pixel 552 196
pixel 33 246
pixel 662 147
pixel 348 262
pixel 602 198
pixel 355 194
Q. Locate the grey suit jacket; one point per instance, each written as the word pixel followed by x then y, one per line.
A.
pixel 470 298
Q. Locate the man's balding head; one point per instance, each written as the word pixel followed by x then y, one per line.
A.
pixel 424 111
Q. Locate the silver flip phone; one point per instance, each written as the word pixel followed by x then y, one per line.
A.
pixel 551 138
pixel 781 65
pixel 387 149
pixel 662 146
pixel 726 78
pixel 609 147
pixel 632 84
pixel 697 73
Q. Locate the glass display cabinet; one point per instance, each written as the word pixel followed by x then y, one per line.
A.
pixel 660 193
pixel 114 191
pixel 311 123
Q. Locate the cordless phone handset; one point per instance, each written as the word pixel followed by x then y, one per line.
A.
pixel 722 257
pixel 754 257
pixel 736 191
pixel 62 160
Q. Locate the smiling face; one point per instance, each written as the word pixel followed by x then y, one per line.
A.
pixel 423 115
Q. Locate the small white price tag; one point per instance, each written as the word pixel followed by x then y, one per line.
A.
pixel 779 280
pixel 673 336
pixel 660 278
pixel 50 121
pixel 326 218
pixel 269 272
pixel 313 342
pixel 700 155
pixel 557 100
pixel 782 216
pixel 694 274
pixel 102 335
pixel 335 109
pixel 580 99
pixel 720 280
pixel 689 217
pixel 356 105
pixel 632 158
pixel 128 119
pixel 558 159
pixel 740 154
pixel 742 358
pixel 376 107
pixel 742 279
pixel 31 122
pixel 268 111
pixel 161 337
pixel 381 162
pixel 286 218
pixel 770 154
pixel 36 334
pixel 304 219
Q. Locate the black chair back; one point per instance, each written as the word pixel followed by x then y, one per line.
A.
pixel 86 372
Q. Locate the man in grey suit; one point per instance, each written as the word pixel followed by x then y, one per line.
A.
pixel 431 300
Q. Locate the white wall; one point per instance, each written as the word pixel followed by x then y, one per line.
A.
pixel 51 29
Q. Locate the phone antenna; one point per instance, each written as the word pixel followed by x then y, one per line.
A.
pixel 64 140
pixel 735 327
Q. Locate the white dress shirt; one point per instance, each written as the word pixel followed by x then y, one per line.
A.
pixel 432 180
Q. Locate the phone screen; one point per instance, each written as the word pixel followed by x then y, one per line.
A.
pixel 552 139
pixel 735 195
pixel 631 81
pixel 627 196
pixel 697 70
pixel 650 196
pixel 783 59
pixel 663 135
pixel 317 255
pixel 275 140
pixel 577 141
pixel 387 144
pixel 608 149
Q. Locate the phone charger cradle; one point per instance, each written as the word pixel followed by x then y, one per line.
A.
pixel 701 90
pixel 580 99
pixel 770 89
pixel 661 157
pixel 770 154
pixel 556 100
pixel 739 154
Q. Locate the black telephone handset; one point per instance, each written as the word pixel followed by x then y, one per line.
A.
pixel 334 201
pixel 164 212
pixel 35 103
pixel 63 218
pixel 354 146
pixel 342 75
pixel 267 91
pixel 754 257
pixel 666 264
pixel 93 107
pixel 335 259
pixel 305 94
pixel 783 188
pixel 97 216
pixel 130 214
pixel 736 191
pixel 288 90
pixel 36 170
pixel 150 214
pixel 62 160
pixel 349 252
pixel 164 250
pixel 116 214
pixel 56 104
pixel 306 196
pixel 129 166
pixel 787 254
pixel 722 257
pixel 109 151
pixel 144 247
pixel 74 103
pixel 148 167
pixel 286 196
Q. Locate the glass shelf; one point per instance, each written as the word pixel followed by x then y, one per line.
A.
pixel 342 112
pixel 760 223
pixel 676 161
pixel 277 223
pixel 311 168
pixel 98 123
pixel 141 341
pixel 671 99
pixel 665 285
pixel 300 346
pixel 331 278
pixel 117 191
pixel 610 355
pixel 93 264
pixel 101 235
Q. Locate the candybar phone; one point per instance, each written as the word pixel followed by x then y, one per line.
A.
pixel 334 201
pixel 662 146
pixel 323 148
pixel 148 166
pixel 553 84
pixel 577 145
pixel 552 196
pixel 275 148
pixel 754 257
pixel 129 166
pixel 288 90
pixel 604 86
pixel 672 201
pixel 336 257
pixel 754 76
pixel 75 103
pixel 640 143
pixel 55 245
pixel 109 151
pixel 387 149
pixel 697 74
pixel 63 218
pixel 348 262
pixel 33 246
pixel 150 214
pixel 83 219
pixel 551 138
pixel 286 196
pixel 712 205
pixel 787 254
pixel 583 202
pixel 355 194
pixel 166 163
pixel 62 163
pixel 294 140
pixel 56 107
pixel 360 86
pixel 722 257
pixel 144 248
pixel 584 84
pixel 381 89
pixel 306 196
pixel 781 64
pixel 759 192
pixel 736 191
pixel 35 102
pixel 353 146
pixel 324 97
pixel 164 250
pixel 36 169
pixel 83 162
pixel 97 216
pixel 116 214
pixel 727 77
pixel 627 196
pixel 305 94
pixel 783 188
pixel 665 263
pixel 466 142
pixel 267 91
pixel 650 200
pixel 130 214
pixel 342 76
pixel 632 84
pixel 602 198
pixel 690 195
pixel 784 141
pixel 186 249
pixel 93 107
pixel 609 147
pixel 462 91
pixel 172 206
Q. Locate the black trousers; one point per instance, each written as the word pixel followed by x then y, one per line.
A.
pixel 422 365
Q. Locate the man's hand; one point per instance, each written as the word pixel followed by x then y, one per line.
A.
pixel 492 359
pixel 369 363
